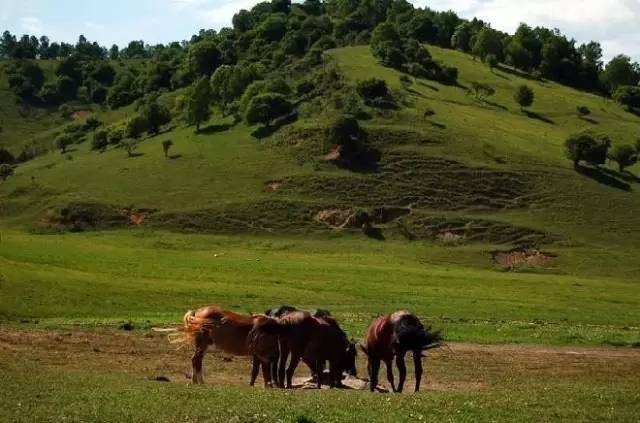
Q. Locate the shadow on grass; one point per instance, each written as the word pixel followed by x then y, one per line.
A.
pixel 416 93
pixel 134 155
pixel 175 156
pixel 518 73
pixel 605 177
pixel 499 106
pixel 436 124
pixel 589 120
pixel 268 130
pixel 213 129
pixel 537 116
pixel 431 87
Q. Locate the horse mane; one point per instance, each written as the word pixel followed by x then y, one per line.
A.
pixel 410 333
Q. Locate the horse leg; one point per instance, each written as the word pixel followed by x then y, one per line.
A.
pixel 196 361
pixel 266 374
pixel 282 363
pixel 320 370
pixel 417 362
pixel 295 359
pixel 255 367
pixel 402 369
pixel 389 365
pixel 374 368
pixel 335 375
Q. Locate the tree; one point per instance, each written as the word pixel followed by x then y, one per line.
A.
pixel 461 38
pixel 265 108
pixel 204 58
pixel 63 142
pixel 488 41
pixel 619 71
pixel 624 155
pixel 100 141
pixel 492 61
pixel 155 115
pixel 372 88
pixel 197 108
pixel 114 52
pixel 129 145
pixel 26 78
pixel 524 96
pixel 587 147
pixel 66 88
pixel 6 170
pixel 166 146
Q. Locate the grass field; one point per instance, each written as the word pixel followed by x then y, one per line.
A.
pixel 551 343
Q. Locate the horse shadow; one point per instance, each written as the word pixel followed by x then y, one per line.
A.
pixel 605 177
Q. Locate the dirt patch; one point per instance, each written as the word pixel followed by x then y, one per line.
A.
pixel 80 217
pixel 80 114
pixel 336 218
pixel 137 217
pixel 516 259
pixel 273 185
pixel 460 368
pixel 465 230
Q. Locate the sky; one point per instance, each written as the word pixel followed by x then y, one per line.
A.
pixel 615 23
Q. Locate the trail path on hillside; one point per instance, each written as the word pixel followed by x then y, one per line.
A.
pixel 460 367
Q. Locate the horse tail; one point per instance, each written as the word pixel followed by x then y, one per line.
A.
pixel 411 335
pixel 192 325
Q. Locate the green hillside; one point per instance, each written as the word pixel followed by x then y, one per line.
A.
pixel 471 161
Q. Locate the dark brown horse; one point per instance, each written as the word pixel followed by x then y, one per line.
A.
pixel 226 330
pixel 392 336
pixel 315 340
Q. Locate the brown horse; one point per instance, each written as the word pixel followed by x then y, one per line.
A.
pixel 226 330
pixel 392 336
pixel 315 340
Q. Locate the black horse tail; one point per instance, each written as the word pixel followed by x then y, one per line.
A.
pixel 411 335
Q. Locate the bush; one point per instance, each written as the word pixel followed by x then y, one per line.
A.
pixel 345 131
pixel 136 126
pixel 587 147
pixel 624 155
pixel 583 111
pixel 100 140
pixel 524 96
pixel 6 157
pixel 406 81
pixel 155 115
pixel 371 89
pixel 129 145
pixel 448 75
pixel 492 61
pixel 6 170
pixel 115 136
pixel 482 91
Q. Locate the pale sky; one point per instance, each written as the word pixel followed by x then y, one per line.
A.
pixel 615 23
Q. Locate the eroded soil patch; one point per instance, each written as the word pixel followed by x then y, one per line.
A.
pixel 523 258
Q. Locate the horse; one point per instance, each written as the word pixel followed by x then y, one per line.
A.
pixel 315 340
pixel 392 336
pixel 283 311
pixel 228 331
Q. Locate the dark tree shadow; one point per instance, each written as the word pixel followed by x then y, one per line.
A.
pixel 604 177
pixel 436 124
pixel 373 233
pixel 633 111
pixel 134 155
pixel 268 130
pixel 175 156
pixel 215 128
pixel 70 150
pixel 518 73
pixel 624 175
pixel 537 116
pixel 363 160
pixel 431 87
pixel 499 75
pixel 589 120
pixel 499 106
pixel 416 93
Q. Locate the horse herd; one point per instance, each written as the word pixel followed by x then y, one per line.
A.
pixel 279 339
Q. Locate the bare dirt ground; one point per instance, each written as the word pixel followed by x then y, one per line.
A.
pixel 460 367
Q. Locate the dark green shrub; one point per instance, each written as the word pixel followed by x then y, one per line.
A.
pixel 63 142
pixel 6 170
pixel 371 89
pixel 583 111
pixel 265 108
pixel 587 147
pixel 100 140
pixel 524 96
pixel 624 156
pixel 628 96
